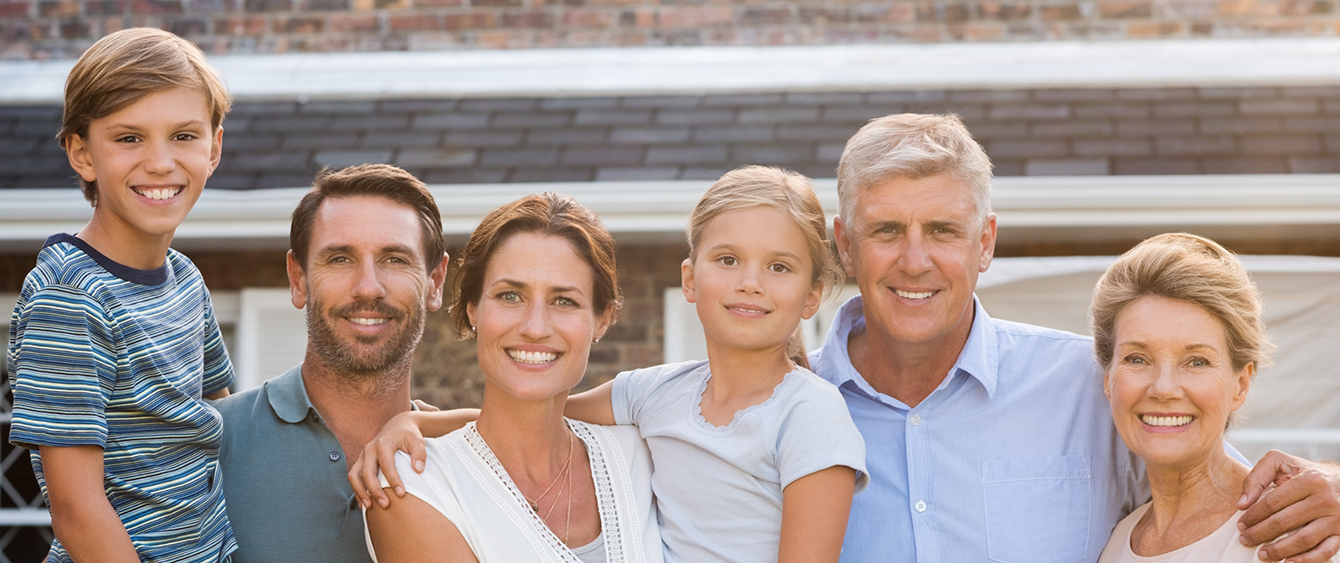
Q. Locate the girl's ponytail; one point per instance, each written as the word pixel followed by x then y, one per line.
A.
pixel 795 349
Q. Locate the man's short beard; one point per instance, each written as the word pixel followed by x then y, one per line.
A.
pixel 395 350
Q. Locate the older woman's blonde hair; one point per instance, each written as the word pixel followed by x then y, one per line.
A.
pixel 1188 268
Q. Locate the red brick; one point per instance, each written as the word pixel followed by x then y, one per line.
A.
pixel 14 9
pixel 588 18
pixel 528 19
pixel 418 22
pixel 477 20
pixel 438 3
pixel 983 31
pixel 188 27
pixel 74 29
pixel 765 16
pixel 240 25
pixel 1150 30
pixel 352 22
pixel 1248 8
pixel 1062 12
pixel 299 25
pixel 156 7
pixel 1124 10
pixel 696 16
pixel 58 9
pixel 1004 11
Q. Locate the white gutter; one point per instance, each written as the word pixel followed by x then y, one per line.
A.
pixel 1030 209
pixel 719 70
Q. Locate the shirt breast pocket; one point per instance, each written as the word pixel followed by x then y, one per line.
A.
pixel 1037 509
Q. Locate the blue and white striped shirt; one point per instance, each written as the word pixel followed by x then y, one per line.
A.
pixel 115 357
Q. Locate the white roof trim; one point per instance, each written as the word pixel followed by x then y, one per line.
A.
pixel 714 70
pixel 1044 209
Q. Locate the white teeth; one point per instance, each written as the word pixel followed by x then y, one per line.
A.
pixel 748 310
pixel 1166 420
pixel 527 357
pixel 911 295
pixel 368 321
pixel 159 193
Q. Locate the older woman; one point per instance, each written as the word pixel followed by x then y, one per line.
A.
pixel 535 287
pixel 1177 329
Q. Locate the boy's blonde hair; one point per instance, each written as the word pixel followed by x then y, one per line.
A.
pixel 755 186
pixel 127 65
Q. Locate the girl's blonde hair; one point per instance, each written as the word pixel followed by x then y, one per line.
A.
pixel 755 186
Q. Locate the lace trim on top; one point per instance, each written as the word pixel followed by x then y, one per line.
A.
pixel 697 411
pixel 609 514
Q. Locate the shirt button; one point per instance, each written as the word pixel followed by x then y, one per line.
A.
pixel 334 456
pixel 921 506
pixel 915 420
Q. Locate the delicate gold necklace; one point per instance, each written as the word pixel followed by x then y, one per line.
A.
pixel 535 504
pixel 567 527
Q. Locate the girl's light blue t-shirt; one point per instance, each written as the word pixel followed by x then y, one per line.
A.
pixel 719 489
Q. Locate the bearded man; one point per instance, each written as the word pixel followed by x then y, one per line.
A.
pixel 367 261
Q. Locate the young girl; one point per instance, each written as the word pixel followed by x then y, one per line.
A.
pixel 756 458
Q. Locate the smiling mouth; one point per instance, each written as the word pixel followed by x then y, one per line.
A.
pixel 531 357
pixel 748 310
pixel 368 321
pixel 914 294
pixel 1166 421
pixel 158 193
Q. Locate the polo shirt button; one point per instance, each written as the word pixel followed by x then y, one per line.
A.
pixel 921 506
pixel 915 420
pixel 334 456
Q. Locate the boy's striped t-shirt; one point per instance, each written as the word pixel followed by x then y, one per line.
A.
pixel 110 356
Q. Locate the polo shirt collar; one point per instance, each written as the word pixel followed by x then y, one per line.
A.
pixel 288 396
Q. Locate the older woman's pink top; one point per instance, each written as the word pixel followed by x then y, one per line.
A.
pixel 1221 546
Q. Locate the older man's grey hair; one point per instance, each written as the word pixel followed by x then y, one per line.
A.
pixel 914 146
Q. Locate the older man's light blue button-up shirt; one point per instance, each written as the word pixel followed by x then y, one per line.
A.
pixel 1013 458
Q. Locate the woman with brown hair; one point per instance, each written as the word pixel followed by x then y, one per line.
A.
pixel 535 287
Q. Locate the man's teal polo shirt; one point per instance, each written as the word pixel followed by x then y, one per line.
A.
pixel 284 478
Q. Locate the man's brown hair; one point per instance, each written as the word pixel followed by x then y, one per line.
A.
pixel 368 180
pixel 128 65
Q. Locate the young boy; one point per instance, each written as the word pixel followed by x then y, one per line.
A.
pixel 114 340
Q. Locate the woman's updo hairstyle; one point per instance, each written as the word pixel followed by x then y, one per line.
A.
pixel 1187 268
pixel 550 214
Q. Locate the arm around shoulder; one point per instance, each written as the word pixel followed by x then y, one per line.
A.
pixel 594 406
pixel 405 432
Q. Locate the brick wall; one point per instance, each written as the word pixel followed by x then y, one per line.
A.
pixel 36 29
pixel 1026 132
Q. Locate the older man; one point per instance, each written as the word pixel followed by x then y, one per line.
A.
pixel 367 261
pixel 986 440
